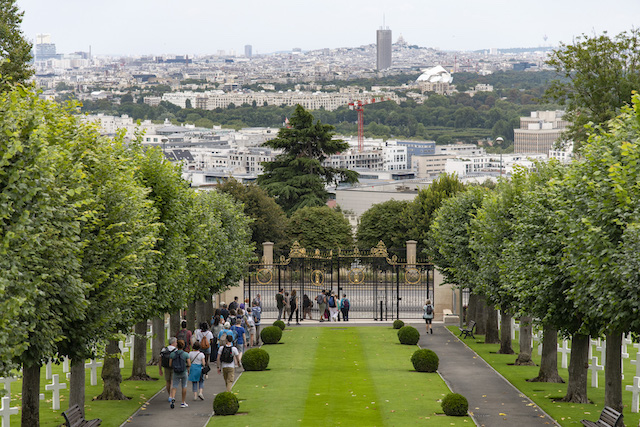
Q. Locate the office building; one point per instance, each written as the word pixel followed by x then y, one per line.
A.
pixel 248 50
pixel 538 133
pixel 383 49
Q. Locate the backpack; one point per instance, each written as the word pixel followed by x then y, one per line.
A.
pixel 345 304
pixel 165 354
pixel 182 335
pixel 204 342
pixel 429 310
pixel 332 302
pixel 179 364
pixel 320 298
pixel 250 321
pixel 223 340
pixel 227 354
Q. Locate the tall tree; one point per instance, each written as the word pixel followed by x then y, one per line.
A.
pixel 15 50
pixel 298 176
pixel 599 74
pixel 384 221
pixel 320 228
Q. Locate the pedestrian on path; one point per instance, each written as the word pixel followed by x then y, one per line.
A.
pixel 251 328
pixel 287 306
pixel 280 303
pixel 228 359
pixel 256 310
pixel 333 307
pixel 196 374
pixel 180 364
pixel 185 335
pixel 165 357
pixel 204 337
pixel 293 302
pixel 306 307
pixel 345 305
pixel 240 339
pixel 322 304
pixel 428 315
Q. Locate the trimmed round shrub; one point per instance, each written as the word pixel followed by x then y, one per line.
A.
pixel 424 360
pixel 408 335
pixel 397 324
pixel 226 403
pixel 271 335
pixel 280 324
pixel 455 404
pixel 255 359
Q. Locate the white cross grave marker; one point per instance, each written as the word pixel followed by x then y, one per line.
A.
pixel 123 350
pixel 603 351
pixel 55 386
pixel 7 383
pixel 594 368
pixel 48 370
pixel 565 350
pixel 150 336
pixel 6 411
pixel 634 389
pixel 129 344
pixel 514 327
pixel 167 327
pixel 540 344
pixel 65 365
pixel 93 365
pixel 591 344
pixel 637 363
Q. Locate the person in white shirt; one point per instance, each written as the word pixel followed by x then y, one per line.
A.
pixel 168 371
pixel 227 363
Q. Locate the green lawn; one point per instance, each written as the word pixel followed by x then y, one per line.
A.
pixel 545 394
pixel 112 413
pixel 340 376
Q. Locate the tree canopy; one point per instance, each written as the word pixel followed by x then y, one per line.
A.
pixel 320 228
pixel 384 221
pixel 15 50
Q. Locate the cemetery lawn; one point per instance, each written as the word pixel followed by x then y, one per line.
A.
pixel 340 376
pixel 546 394
pixel 113 413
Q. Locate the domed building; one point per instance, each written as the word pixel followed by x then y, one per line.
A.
pixel 437 80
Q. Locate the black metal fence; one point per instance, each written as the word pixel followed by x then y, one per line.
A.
pixel 378 287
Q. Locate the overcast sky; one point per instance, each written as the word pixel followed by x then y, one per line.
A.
pixel 133 27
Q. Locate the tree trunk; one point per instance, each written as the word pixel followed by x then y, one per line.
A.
pixel 139 370
pixel 491 335
pixel 111 376
pixel 30 395
pixel 526 327
pixel 158 339
pixel 481 315
pixel 613 371
pixel 76 383
pixel 199 313
pixel 548 372
pixel 174 323
pixel 191 316
pixel 472 308
pixel 578 366
pixel 208 310
pixel 505 334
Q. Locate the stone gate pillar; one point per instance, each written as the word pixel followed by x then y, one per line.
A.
pixel 412 246
pixel 267 251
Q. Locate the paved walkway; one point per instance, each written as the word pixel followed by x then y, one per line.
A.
pixel 493 401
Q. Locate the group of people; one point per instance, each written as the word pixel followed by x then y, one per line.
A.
pixel 330 306
pixel 188 355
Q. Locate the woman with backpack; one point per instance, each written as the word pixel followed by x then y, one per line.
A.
pixel 293 303
pixel 345 305
pixel 205 338
pixel 333 307
pixel 428 315
pixel 196 373
pixel 306 307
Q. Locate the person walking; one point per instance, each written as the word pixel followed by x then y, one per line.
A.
pixel 185 335
pixel 306 307
pixel 333 307
pixel 240 338
pixel 196 373
pixel 227 361
pixel 215 331
pixel 257 311
pixel 345 305
pixel 205 338
pixel 251 328
pixel 428 315
pixel 179 361
pixel 257 301
pixel 321 299
pixel 280 302
pixel 287 306
pixel 293 303
pixel 165 357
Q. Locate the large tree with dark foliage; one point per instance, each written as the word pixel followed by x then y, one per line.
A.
pixel 297 177
pixel 15 50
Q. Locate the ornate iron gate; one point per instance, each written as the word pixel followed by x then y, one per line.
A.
pixel 378 286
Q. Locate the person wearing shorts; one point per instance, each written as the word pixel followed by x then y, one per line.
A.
pixel 428 315
pixel 180 378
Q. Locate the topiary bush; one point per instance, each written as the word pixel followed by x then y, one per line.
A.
pixel 226 403
pixel 455 404
pixel 255 359
pixel 408 335
pixel 397 324
pixel 271 335
pixel 280 324
pixel 424 360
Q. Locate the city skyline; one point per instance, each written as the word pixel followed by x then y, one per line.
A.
pixel 200 27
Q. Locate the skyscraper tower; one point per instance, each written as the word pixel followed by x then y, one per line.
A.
pixel 383 57
pixel 248 50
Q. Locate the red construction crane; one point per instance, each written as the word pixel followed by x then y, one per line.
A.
pixel 358 106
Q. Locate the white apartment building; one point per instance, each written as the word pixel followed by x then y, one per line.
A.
pixel 429 166
pixel 539 132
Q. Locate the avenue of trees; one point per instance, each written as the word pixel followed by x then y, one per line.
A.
pixel 97 236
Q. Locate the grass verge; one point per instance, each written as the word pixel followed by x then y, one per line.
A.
pixel 546 395
pixel 340 376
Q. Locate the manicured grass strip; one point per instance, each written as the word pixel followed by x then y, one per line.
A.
pixel 341 387
pixel 340 376
pixel 545 394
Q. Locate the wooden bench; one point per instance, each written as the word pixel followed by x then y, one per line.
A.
pixel 468 331
pixel 608 418
pixel 74 418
